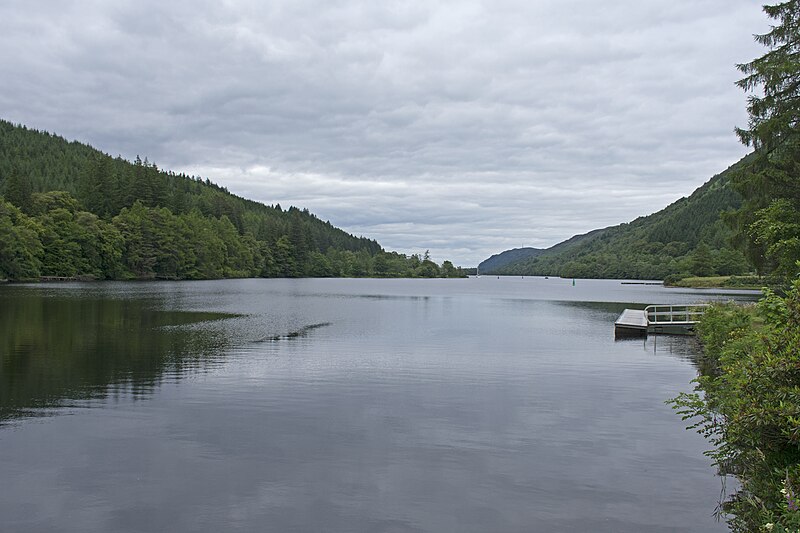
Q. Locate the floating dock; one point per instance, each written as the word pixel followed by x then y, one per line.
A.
pixel 664 319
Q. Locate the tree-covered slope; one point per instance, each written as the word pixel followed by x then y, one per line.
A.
pixel 509 256
pixel 687 237
pixel 69 210
pixel 104 186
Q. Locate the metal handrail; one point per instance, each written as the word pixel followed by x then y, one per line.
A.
pixel 674 314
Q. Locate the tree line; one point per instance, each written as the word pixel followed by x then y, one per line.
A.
pixel 68 210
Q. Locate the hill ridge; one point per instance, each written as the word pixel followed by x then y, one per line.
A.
pixel 687 237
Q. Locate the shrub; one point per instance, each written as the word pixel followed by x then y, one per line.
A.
pixel 748 406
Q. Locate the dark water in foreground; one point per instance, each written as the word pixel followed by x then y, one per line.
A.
pixel 478 405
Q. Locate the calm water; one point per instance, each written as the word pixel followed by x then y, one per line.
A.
pixel 485 405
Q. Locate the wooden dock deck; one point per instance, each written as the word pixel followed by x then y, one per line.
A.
pixel 667 319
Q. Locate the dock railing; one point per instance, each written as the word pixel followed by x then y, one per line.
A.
pixel 658 315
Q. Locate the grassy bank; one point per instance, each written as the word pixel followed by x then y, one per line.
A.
pixel 717 282
pixel 747 404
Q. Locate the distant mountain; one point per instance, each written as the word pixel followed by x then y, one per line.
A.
pixel 509 256
pixel 688 237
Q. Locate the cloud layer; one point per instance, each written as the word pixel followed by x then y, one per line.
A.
pixel 464 127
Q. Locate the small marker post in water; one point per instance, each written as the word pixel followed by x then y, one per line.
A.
pixel 573 282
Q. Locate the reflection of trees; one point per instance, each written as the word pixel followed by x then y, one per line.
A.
pixel 58 348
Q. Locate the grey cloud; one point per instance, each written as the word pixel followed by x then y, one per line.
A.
pixel 459 127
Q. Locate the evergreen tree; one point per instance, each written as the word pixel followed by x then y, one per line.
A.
pixel 770 182
pixel 18 190
pixel 702 261
pixel 284 261
pixel 94 189
pixel 301 241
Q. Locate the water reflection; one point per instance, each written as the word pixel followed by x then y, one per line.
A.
pixel 296 334
pixel 57 348
pixel 345 405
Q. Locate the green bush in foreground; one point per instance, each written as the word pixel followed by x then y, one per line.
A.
pixel 747 403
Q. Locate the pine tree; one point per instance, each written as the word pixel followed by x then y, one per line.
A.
pixel 773 174
pixel 18 190
pixel 95 186
pixel 702 261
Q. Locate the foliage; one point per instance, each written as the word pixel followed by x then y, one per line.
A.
pixel 777 229
pixel 747 402
pixel 20 246
pixel 768 222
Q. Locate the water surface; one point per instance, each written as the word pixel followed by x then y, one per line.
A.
pixel 481 404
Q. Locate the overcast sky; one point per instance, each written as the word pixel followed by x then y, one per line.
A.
pixel 464 127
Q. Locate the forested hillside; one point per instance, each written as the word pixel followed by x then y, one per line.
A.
pixel 689 237
pixel 69 210
pixel 509 256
